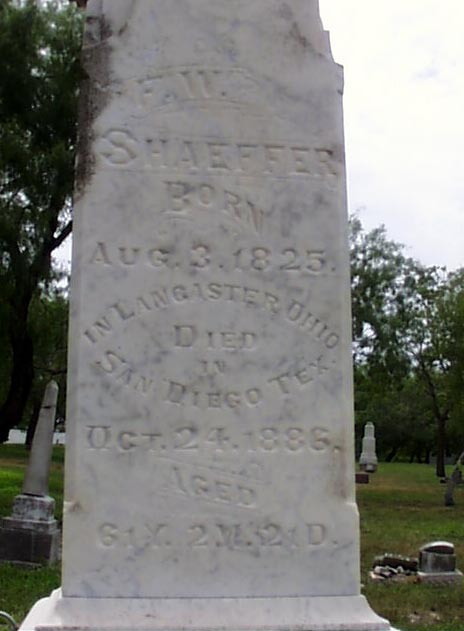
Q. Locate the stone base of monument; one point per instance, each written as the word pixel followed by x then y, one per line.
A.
pixel 31 535
pixel 440 578
pixel 369 467
pixel 362 477
pixel 347 613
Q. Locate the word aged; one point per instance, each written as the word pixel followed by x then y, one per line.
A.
pixel 233 536
pixel 191 438
pixel 208 486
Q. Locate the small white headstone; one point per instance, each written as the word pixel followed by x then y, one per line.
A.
pixel 368 460
pixel 210 470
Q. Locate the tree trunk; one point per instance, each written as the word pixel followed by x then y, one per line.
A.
pixel 391 455
pixel 441 446
pixel 22 375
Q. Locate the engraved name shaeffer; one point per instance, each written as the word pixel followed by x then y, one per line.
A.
pixel 120 147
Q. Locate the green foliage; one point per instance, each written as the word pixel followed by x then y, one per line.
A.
pixel 452 311
pixel 39 48
pixel 48 323
pixel 380 286
pixel 408 340
pixel 38 104
pixel 22 588
pixel 49 330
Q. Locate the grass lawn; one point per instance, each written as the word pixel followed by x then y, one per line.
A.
pixel 401 509
pixel 20 588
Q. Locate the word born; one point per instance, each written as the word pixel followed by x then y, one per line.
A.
pixel 191 438
pixel 185 198
pixel 233 536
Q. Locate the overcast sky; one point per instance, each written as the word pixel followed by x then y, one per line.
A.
pixel 404 119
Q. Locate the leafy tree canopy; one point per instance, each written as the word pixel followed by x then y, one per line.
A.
pixel 39 74
pixel 408 331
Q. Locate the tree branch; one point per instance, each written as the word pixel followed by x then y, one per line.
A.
pixel 62 236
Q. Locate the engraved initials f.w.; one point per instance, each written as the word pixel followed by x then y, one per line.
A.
pixel 199 84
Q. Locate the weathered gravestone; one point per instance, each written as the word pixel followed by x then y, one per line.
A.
pixel 368 459
pixel 30 536
pixel 210 468
pixel 437 564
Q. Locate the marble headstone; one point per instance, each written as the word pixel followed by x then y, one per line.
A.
pixel 210 467
pixel 368 460
pixel 437 564
pixel 30 536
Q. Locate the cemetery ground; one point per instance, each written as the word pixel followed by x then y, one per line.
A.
pixel 401 509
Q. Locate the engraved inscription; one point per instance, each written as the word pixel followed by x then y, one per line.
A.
pixel 204 256
pixel 119 147
pixel 188 395
pixel 190 336
pixel 208 486
pixel 291 381
pixel 262 258
pixel 211 368
pixel 240 536
pixel 189 438
pixel 111 363
pixel 287 381
pixel 143 536
pixel 184 198
pixel 190 83
pixel 292 311
pixel 164 153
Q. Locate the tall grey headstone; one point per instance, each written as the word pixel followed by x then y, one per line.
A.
pixel 31 534
pixel 210 468
pixel 38 468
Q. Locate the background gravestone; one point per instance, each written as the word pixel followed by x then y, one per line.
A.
pixel 210 467
pixel 368 459
pixel 437 564
pixel 31 535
